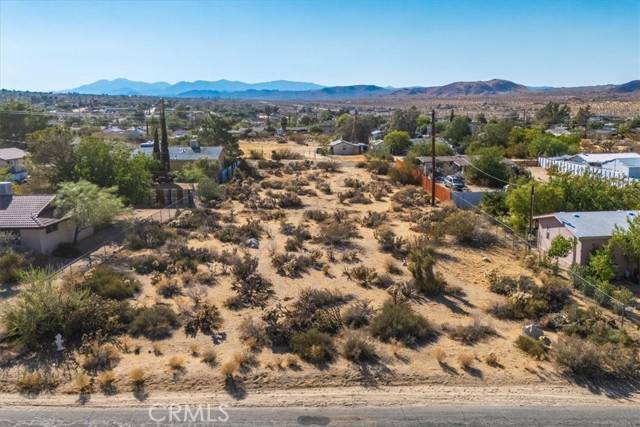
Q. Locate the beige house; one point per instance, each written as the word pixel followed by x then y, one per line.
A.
pixel 32 217
pixel 341 147
pixel 10 157
pixel 589 231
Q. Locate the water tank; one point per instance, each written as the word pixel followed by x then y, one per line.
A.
pixel 6 188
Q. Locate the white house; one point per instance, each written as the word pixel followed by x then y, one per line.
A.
pixel 32 217
pixel 10 157
pixel 345 148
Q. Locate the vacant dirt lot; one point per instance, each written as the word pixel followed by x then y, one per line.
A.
pixel 440 360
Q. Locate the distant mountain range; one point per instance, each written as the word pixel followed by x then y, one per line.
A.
pixel 290 90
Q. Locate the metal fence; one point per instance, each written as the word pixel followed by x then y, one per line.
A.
pixel 523 244
pixel 110 246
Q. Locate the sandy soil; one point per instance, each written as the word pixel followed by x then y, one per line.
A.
pixel 516 378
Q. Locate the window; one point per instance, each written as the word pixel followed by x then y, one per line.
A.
pixel 51 228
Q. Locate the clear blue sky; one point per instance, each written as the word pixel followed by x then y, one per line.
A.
pixel 51 45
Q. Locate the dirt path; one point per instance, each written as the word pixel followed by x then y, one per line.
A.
pixel 525 395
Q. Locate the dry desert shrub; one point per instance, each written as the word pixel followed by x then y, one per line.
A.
pixel 289 361
pixel 194 349
pixel 440 355
pixel 230 368
pixel 156 348
pixel 210 357
pixel 137 377
pixel 392 268
pixel 176 363
pixel 253 332
pixel 97 357
pixel 359 349
pixel 34 382
pixel 107 382
pixel 204 318
pixel 358 314
pixel 472 333
pixel 492 360
pixel 374 219
pixel 466 360
pixel 83 383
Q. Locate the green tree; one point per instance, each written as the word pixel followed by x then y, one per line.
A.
pixel 494 134
pixel 363 126
pixel 560 248
pixel 156 145
pixel 487 168
pixel 405 120
pixel 216 132
pixel 52 152
pixel 547 199
pixel 17 119
pixel 553 113
pixel 398 142
pixel 87 204
pixel 283 123
pixel 458 130
pixel 423 149
pixel 601 264
pixel 112 165
pixel 628 240
pixel 208 189
pixel 582 116
pixel 422 124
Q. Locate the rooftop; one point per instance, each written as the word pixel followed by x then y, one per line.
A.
pixel 7 154
pixel 605 157
pixel 185 153
pixel 33 211
pixel 593 224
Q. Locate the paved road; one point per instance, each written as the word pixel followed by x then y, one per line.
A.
pixel 283 417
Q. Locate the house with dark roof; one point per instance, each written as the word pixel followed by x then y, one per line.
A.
pixel 32 217
pixel 588 231
pixel 181 155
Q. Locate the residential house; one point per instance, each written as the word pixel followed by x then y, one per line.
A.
pixel 345 148
pixel 606 165
pixel 33 218
pixel 588 230
pixel 181 156
pixel 10 157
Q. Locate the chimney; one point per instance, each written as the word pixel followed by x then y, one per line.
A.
pixel 6 188
pixel 194 145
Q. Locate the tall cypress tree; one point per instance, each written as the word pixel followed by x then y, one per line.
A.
pixel 164 143
pixel 156 145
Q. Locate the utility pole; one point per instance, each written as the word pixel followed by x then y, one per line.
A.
pixel 531 209
pixel 433 157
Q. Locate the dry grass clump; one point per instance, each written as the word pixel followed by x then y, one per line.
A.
pixel 253 333
pixel 107 382
pixel 253 290
pixel 194 349
pixel 205 318
pixel 99 356
pixel 368 277
pixel 137 377
pixel 176 363
pixel 210 357
pixel 337 233
pixel 34 382
pixel 317 215
pixel 374 219
pixel 358 314
pixel 359 349
pixel 169 288
pixel 292 265
pixel 83 383
pixel 156 348
pixel 289 361
pixel 466 360
pixel 440 355
pixel 392 268
pixel 390 243
pixel 230 369
pixel 472 333
pixel 328 165
pixel 492 360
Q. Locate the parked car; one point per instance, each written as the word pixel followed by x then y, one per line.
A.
pixel 454 182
